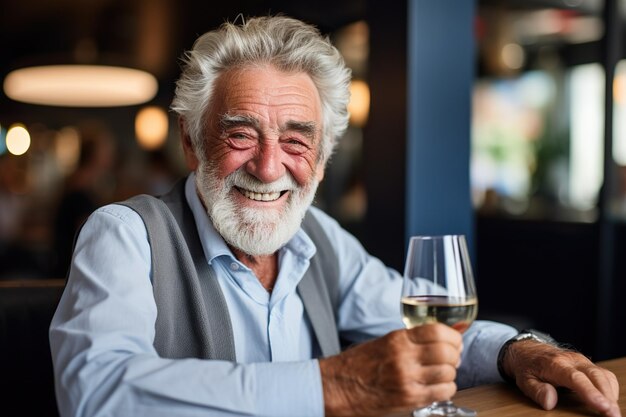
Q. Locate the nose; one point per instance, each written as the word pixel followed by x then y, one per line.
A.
pixel 267 165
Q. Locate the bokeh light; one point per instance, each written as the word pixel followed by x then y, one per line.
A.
pixel 359 105
pixel 151 127
pixel 67 149
pixel 18 139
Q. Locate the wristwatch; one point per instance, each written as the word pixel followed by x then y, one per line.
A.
pixel 526 334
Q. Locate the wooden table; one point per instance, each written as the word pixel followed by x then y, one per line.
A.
pixel 501 400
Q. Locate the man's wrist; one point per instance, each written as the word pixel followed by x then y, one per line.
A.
pixel 524 335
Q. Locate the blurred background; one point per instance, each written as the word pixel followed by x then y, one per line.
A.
pixel 501 119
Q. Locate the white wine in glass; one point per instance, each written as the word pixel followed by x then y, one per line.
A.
pixel 439 287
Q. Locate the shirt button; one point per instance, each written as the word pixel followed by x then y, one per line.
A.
pixel 234 266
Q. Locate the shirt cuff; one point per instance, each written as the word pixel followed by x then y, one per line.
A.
pixel 482 343
pixel 293 388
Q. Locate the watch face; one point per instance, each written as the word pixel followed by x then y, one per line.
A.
pixel 527 336
pixel 535 335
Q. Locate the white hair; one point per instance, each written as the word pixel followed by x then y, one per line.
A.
pixel 285 43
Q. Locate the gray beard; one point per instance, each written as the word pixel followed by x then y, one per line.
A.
pixel 254 231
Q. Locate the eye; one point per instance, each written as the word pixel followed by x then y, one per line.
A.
pixel 295 145
pixel 239 139
pixel 238 135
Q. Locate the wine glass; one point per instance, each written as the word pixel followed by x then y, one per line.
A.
pixel 438 287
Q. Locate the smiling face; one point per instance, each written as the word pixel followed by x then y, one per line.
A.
pixel 261 168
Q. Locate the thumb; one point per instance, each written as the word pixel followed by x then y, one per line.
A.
pixel 541 392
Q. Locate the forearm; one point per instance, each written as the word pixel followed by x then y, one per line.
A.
pixel 145 385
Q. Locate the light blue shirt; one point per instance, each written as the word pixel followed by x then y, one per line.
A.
pixel 103 331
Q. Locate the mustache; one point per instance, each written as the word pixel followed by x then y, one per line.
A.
pixel 242 179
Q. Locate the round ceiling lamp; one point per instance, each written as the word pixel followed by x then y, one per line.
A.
pixel 80 85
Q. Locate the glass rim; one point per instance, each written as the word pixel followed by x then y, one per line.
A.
pixel 433 237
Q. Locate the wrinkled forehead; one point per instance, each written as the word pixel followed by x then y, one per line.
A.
pixel 269 92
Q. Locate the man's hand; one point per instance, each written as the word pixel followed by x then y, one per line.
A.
pixel 538 369
pixel 398 372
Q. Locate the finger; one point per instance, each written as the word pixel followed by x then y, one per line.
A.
pixel 435 374
pixel 614 386
pixel 605 381
pixel 435 332
pixel 580 382
pixel 542 393
pixel 438 353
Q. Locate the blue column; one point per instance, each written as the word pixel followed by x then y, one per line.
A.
pixel 441 59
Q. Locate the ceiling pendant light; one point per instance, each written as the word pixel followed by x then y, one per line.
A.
pixel 80 85
pixel 84 76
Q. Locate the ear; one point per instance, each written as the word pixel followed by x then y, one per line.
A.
pixel 319 171
pixel 190 154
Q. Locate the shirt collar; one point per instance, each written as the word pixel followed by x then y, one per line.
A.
pixel 214 245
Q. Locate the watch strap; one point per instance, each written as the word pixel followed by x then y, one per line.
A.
pixel 526 334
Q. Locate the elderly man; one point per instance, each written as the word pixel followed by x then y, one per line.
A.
pixel 230 295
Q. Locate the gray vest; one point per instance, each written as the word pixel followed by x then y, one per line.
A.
pixel 192 318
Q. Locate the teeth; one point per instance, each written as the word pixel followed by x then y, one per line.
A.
pixel 260 196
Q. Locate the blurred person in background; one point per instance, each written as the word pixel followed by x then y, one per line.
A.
pixel 84 190
pixel 231 295
pixel 160 173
